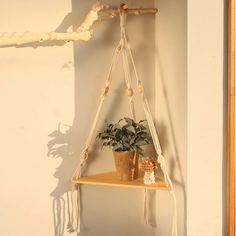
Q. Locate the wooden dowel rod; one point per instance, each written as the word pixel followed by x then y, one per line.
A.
pixel 135 11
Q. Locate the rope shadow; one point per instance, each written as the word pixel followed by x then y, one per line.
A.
pixel 63 145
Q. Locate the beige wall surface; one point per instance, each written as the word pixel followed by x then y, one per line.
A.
pixel 36 94
pixel 206 118
pixel 42 87
pixel 171 101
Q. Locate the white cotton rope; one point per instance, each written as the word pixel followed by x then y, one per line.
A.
pixel 75 192
pixel 123 47
pixel 128 82
pixel 145 209
pixel 126 65
pixel 154 135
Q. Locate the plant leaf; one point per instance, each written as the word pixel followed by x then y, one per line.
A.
pixel 141 143
pixel 128 121
pixel 131 129
pixel 141 121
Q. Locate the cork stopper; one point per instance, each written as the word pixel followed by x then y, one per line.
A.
pixel 148 164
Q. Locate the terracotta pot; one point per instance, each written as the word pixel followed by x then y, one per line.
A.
pixel 127 165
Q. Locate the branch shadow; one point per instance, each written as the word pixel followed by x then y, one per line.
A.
pixel 62 143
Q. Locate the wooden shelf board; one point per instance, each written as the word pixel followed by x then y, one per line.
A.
pixel 109 179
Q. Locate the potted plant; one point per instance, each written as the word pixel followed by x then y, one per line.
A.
pixel 125 138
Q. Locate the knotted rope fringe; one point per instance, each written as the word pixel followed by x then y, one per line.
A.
pixel 122 47
pixel 145 207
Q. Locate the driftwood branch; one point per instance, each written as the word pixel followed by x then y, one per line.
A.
pixel 84 31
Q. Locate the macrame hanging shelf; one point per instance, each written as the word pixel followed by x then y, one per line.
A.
pixel 123 51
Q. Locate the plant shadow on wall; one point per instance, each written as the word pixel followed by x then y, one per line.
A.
pixel 63 141
pixel 61 146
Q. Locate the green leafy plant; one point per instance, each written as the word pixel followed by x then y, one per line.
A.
pixel 125 135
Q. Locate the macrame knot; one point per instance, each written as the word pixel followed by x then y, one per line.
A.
pixel 122 9
pixel 161 159
pixel 130 92
pixel 105 91
pixel 119 48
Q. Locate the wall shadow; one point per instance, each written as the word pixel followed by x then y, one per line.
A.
pixel 61 145
pixel 63 141
pixel 175 163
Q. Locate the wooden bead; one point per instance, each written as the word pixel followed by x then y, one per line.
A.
pixel 140 89
pixel 130 92
pixel 84 156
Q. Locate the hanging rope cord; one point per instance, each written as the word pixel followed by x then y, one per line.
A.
pixel 74 216
pixel 122 48
pixel 156 142
pixel 125 64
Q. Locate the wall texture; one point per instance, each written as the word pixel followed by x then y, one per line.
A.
pixel 42 87
pixel 37 93
pixel 171 102
pixel 206 118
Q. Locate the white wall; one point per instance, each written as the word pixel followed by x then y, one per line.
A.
pixel 206 93
pixel 171 101
pixel 36 93
pixel 40 87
